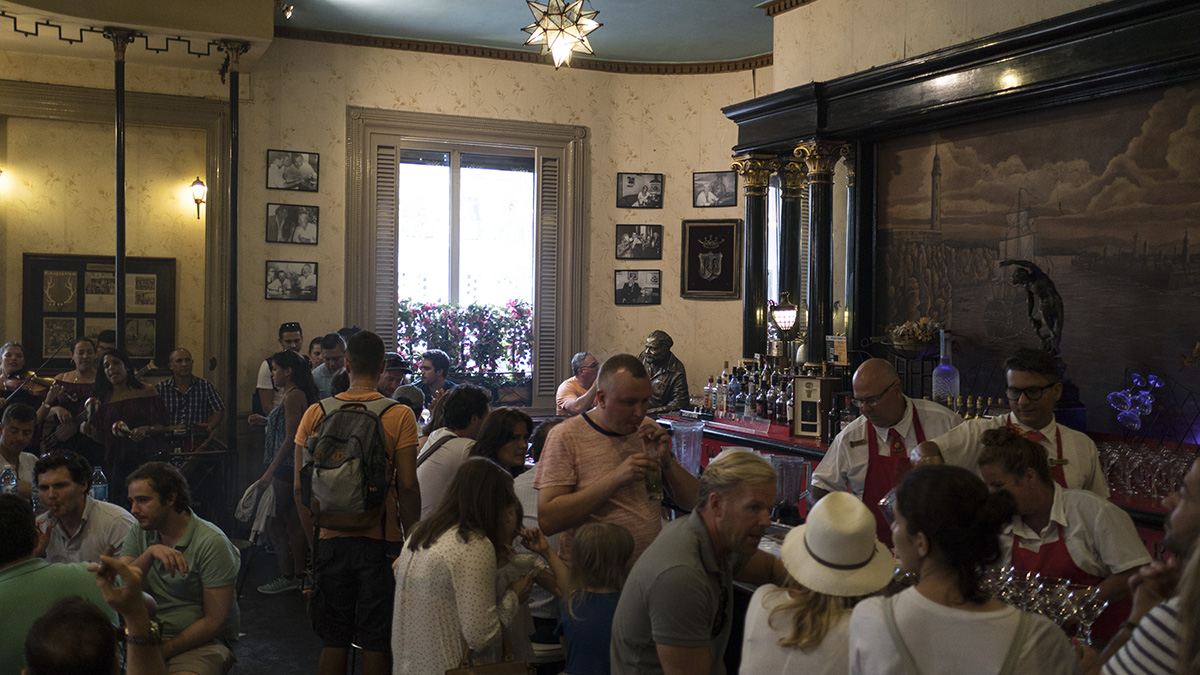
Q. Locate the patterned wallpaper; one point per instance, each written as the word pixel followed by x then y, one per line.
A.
pixel 825 40
pixel 662 124
pixel 58 198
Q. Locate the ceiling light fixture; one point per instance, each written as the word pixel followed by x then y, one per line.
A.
pixel 561 29
pixel 285 9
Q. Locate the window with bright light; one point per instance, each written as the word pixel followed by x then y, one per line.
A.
pixel 466 226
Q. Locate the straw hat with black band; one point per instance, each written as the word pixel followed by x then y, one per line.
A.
pixel 836 552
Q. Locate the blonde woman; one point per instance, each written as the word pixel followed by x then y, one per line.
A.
pixel 833 561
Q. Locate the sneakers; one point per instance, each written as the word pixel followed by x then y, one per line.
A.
pixel 280 585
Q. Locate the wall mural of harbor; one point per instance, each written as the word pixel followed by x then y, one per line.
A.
pixel 1104 197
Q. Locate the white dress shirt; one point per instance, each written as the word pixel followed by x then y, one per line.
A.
pixel 844 466
pixel 961 447
pixel 1100 536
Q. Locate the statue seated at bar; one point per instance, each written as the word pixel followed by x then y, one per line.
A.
pixel 668 377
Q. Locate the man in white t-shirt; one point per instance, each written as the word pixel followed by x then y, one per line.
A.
pixel 16 433
pixel 291 337
pixel 463 411
pixel 1033 390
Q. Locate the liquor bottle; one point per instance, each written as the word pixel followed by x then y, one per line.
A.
pixel 961 406
pixel 735 385
pixel 708 395
pixel 781 402
pixel 760 400
pixel 971 414
pixel 99 485
pixel 725 372
pixel 722 398
pixel 945 376
pixel 791 403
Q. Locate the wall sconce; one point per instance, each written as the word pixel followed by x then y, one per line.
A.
pixel 199 191
pixel 284 8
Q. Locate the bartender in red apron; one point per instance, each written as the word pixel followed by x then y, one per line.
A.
pixel 871 454
pixel 1067 534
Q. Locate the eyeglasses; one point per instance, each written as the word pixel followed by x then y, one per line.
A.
pixel 1031 393
pixel 590 366
pixel 872 400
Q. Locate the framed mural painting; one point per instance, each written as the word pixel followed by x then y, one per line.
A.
pixel 970 216
pixel 711 268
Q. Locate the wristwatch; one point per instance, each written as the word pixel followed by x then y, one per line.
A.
pixel 154 637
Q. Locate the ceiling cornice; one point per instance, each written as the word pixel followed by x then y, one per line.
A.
pixel 577 63
pixel 780 6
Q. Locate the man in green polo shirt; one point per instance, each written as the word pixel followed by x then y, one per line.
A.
pixel 190 569
pixel 29 585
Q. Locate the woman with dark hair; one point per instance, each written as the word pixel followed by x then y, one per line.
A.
pixel 292 378
pixel 504 439
pixel 446 575
pixel 1075 535
pixel 130 422
pixel 946 531
pixel 18 385
pixel 76 387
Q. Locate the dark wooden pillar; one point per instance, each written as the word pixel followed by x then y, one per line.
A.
pixel 120 38
pixel 820 157
pixel 755 171
pixel 792 175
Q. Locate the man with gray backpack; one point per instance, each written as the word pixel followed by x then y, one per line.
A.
pixel 359 481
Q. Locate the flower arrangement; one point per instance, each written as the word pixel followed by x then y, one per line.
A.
pixel 482 339
pixel 923 329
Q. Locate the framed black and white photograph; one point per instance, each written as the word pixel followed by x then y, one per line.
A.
pixel 291 280
pixel 640 190
pixel 292 223
pixel 711 268
pixel 292 170
pixel 639 242
pixel 714 188
pixel 638 287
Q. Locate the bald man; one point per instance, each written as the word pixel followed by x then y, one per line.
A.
pixel 870 456
pixel 190 400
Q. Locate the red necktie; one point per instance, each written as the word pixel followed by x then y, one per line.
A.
pixel 1035 436
pixel 895 442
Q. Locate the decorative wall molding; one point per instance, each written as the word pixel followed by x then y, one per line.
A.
pixel 780 6
pixel 579 63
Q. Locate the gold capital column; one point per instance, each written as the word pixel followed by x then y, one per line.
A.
pixel 820 157
pixel 755 171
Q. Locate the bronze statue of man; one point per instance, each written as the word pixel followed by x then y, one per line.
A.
pixel 1043 299
pixel 668 377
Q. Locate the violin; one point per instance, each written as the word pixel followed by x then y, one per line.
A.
pixel 27 381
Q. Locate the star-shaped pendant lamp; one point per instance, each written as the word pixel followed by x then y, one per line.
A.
pixel 561 29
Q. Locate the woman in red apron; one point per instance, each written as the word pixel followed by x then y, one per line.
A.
pixel 1011 462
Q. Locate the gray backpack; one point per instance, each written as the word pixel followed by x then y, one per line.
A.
pixel 344 478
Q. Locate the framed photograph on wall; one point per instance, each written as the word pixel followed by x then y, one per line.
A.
pixel 711 268
pixel 292 170
pixel 640 190
pixel 637 287
pixel 639 242
pixel 291 280
pixel 292 223
pixel 714 188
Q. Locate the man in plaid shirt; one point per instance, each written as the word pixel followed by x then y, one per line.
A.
pixel 190 400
